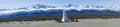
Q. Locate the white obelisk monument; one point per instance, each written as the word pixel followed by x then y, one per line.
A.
pixel 64 18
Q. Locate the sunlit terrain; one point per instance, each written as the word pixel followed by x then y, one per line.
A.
pixel 52 23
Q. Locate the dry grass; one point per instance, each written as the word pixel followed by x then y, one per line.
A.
pixel 58 17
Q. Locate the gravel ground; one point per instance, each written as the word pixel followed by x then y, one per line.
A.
pixel 52 23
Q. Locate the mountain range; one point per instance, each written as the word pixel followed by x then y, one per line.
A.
pixel 39 10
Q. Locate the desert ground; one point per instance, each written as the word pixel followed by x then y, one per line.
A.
pixel 51 23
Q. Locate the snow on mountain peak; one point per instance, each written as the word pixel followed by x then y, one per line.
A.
pixel 67 7
pixel 40 9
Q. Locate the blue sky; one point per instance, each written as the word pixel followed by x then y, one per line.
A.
pixel 24 3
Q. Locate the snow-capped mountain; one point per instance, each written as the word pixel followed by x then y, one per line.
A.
pixel 42 10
